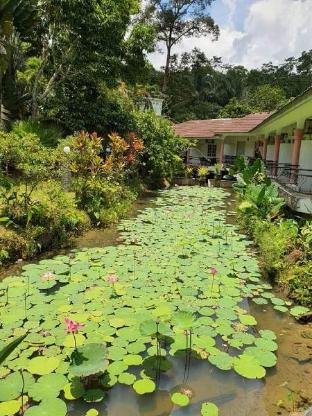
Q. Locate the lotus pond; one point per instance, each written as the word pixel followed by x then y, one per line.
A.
pixel 176 320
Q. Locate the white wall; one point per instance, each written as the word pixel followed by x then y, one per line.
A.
pixel 250 148
pixel 230 146
pixel 305 161
pixel 285 153
pixel 270 152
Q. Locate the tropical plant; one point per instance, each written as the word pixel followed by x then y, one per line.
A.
pixel 262 201
pixel 188 171
pixel 161 155
pixel 203 171
pixel 247 174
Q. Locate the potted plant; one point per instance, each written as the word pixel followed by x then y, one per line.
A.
pixel 202 174
pixel 218 174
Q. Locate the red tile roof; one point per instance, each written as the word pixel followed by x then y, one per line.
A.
pixel 209 128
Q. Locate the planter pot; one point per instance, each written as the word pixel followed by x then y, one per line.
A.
pixel 184 181
pixel 214 183
pixel 226 184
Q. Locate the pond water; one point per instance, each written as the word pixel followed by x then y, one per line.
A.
pixel 232 393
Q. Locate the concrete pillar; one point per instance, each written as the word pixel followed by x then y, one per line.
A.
pixel 222 151
pixel 298 135
pixel 277 145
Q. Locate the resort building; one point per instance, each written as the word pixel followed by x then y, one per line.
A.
pixel 283 139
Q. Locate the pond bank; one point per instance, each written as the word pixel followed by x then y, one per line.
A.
pixel 164 265
pixel 95 237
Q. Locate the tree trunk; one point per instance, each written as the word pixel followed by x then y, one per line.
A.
pixel 167 69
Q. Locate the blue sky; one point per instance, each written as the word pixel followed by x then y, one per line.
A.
pixel 254 32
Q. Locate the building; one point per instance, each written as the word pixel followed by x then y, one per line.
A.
pixel 283 139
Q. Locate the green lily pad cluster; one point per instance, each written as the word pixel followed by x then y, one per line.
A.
pixel 178 284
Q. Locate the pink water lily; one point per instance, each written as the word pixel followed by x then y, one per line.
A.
pixel 112 279
pixel 213 271
pixel 47 276
pixel 72 327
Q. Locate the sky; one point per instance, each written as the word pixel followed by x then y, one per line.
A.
pixel 254 32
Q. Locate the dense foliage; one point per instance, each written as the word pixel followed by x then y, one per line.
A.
pixel 201 87
pixel 284 243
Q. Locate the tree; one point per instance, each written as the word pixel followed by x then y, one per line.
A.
pixel 16 22
pixel 177 19
pixel 266 98
pixel 81 45
pixel 235 109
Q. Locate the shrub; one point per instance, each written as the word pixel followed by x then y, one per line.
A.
pixel 261 201
pixel 103 200
pixel 298 282
pixel 12 245
pixel 27 157
pixel 161 157
pixel 50 217
pixel 48 135
pixel 275 240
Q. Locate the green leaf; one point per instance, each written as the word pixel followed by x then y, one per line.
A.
pixel 180 399
pixel 209 409
pixel 8 349
pixel 43 365
pixel 248 367
pixel 57 406
pixel 297 311
pixel 221 360
pixel 88 360
pixel 144 386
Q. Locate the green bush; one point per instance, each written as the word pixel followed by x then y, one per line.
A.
pixel 103 200
pixel 12 245
pixel 161 157
pixel 48 135
pixel 297 280
pixel 274 240
pixel 49 219
pixel 27 157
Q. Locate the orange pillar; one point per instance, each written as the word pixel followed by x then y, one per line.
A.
pixel 277 145
pixel 222 151
pixel 298 135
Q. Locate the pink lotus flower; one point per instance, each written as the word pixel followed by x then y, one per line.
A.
pixel 72 327
pixel 112 279
pixel 213 271
pixel 47 276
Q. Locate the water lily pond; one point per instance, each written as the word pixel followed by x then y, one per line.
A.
pixel 165 323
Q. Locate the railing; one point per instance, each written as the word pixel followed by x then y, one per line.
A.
pixel 291 176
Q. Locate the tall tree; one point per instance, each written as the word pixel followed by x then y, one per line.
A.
pixel 178 19
pixel 82 44
pixel 16 23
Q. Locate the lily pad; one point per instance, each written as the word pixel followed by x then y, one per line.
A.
pixel 180 399
pixel 209 409
pixel 144 386
pixel 43 365
pixel 88 360
pixel 248 367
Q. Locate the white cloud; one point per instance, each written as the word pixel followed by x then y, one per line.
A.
pixel 272 31
pixel 223 47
